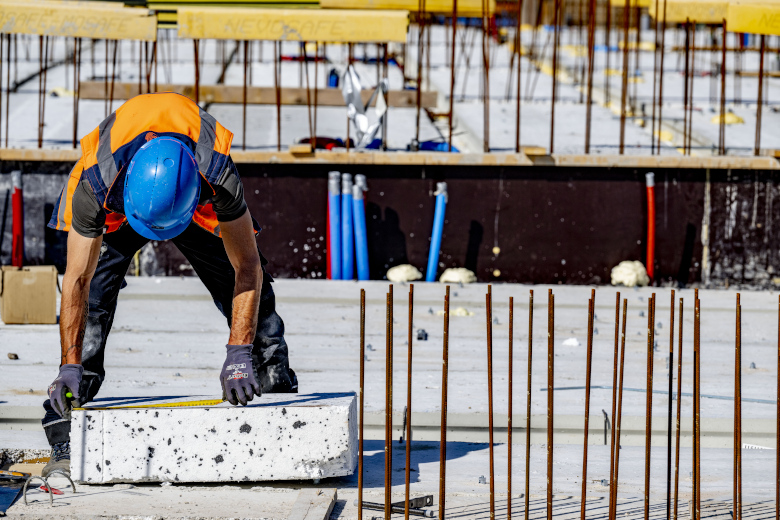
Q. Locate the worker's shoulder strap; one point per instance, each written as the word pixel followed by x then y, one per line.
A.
pixel 113 144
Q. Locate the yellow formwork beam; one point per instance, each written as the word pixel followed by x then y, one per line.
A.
pixel 700 11
pixel 322 25
pixel 754 17
pixel 77 19
pixel 466 8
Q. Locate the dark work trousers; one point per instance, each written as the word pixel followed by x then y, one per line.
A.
pixel 206 253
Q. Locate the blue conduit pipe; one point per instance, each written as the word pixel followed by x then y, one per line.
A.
pixel 361 239
pixel 334 216
pixel 438 228
pixel 347 240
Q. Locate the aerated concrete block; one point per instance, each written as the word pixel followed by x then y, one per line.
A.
pixel 276 437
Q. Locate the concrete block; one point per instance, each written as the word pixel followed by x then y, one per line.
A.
pixel 276 437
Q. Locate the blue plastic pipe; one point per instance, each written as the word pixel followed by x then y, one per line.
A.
pixel 347 240
pixel 334 215
pixel 361 239
pixel 438 228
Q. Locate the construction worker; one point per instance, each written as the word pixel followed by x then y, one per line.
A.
pixel 159 168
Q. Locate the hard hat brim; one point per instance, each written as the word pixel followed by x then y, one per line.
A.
pixel 156 234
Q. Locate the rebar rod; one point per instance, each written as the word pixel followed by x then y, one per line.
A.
pixel 591 56
pixel 550 395
pixel 692 75
pixel 619 410
pixel 649 400
pixel 760 102
pixel 443 434
pixel 489 321
pixel 607 41
pixel 685 83
pixel 528 400
pixel 420 30
pixel 244 95
pixel 679 410
pixel 722 122
pixel 509 410
pixel 362 398
pixel 614 404
pixel 655 82
pixel 485 77
pixel 588 369
pixel 556 41
pixel 738 414
pixel 389 408
pixel 195 45
pixel 624 84
pixel 452 70
pixel 696 391
pixel 409 338
pixel 669 423
pixel 661 79
pixel 518 53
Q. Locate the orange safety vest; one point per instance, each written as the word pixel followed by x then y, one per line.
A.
pixel 108 149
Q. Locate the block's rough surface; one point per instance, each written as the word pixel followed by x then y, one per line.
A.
pixel 276 437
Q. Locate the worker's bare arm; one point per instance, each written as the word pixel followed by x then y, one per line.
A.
pixel 83 256
pixel 239 239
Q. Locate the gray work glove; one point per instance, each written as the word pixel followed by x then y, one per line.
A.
pixel 238 377
pixel 69 380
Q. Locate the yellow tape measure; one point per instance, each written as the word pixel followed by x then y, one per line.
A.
pixel 179 404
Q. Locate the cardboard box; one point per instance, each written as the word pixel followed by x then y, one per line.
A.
pixel 28 294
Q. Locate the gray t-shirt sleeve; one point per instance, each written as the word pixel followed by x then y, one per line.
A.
pixel 87 217
pixel 228 199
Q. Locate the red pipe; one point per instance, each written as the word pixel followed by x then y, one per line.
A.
pixel 650 261
pixel 17 227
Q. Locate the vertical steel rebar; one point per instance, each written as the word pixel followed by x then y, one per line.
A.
pixel 195 45
pixel 588 369
pixel 443 435
pixel 614 405
pixel 670 398
pixel 76 82
pixel 696 410
pixel 738 414
pixel 556 41
pixel 649 399
pixel 528 399
pixel 591 57
pixel 244 95
pixel 550 394
pixel 760 102
pixel 420 30
pixel 278 89
pixel 624 88
pixel 113 78
pixel 655 75
pixel 485 76
pixel 316 87
pixel 389 408
pixel 489 320
pixel 685 83
pixel 722 122
pixel 408 402
pixel 619 410
pixel 679 410
pixel 518 53
pixel 661 80
pixel 8 83
pixel 692 75
pixel 308 92
pixel 362 397
pixel 509 410
pixel 452 69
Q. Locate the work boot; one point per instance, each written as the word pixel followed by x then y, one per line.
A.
pixel 60 459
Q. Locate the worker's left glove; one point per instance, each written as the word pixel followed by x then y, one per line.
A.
pixel 69 379
pixel 238 376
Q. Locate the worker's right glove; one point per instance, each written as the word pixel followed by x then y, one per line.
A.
pixel 238 376
pixel 69 380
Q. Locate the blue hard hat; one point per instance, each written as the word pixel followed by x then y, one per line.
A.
pixel 162 187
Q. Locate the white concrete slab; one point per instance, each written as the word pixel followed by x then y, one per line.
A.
pixel 276 437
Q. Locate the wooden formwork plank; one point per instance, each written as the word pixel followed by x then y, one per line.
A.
pixel 232 94
pixel 444 7
pixel 754 17
pixel 701 11
pixel 77 19
pixel 315 25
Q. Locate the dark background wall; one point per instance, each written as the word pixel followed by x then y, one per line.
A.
pixel 550 224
